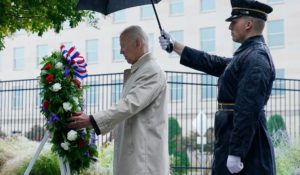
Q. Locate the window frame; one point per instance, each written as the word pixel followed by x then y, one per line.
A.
pixel 91 51
pixel 203 42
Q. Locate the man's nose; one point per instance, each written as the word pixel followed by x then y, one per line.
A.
pixel 230 26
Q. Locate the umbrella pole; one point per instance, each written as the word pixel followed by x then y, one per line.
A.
pixel 170 46
pixel 157 19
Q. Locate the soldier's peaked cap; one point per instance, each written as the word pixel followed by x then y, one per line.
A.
pixel 249 8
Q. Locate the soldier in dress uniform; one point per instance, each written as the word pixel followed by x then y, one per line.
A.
pixel 242 143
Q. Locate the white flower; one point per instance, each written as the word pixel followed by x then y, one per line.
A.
pixel 67 106
pixel 59 66
pixel 56 87
pixel 72 135
pixel 76 100
pixel 65 145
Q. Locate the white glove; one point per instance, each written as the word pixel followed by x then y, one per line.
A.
pixel 166 41
pixel 234 164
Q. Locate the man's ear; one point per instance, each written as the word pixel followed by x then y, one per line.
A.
pixel 249 24
pixel 138 43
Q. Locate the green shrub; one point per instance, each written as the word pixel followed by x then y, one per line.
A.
pixel 277 129
pixel 177 149
pixel 174 133
pixel 275 123
pixel 287 158
pixel 46 164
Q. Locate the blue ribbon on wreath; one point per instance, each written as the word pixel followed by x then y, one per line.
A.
pixel 75 60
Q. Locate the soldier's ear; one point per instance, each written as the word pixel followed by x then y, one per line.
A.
pixel 249 24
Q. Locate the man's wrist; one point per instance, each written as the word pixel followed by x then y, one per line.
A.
pixel 94 124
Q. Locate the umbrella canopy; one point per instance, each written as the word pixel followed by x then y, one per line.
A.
pixel 109 6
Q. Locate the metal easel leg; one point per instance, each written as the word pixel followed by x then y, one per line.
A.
pixel 37 153
pixel 64 166
pixel 61 166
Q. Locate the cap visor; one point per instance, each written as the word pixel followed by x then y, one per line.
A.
pixel 232 18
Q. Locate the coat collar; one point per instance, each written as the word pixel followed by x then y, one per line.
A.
pixel 250 41
pixel 143 59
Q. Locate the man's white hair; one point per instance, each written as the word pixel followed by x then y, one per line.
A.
pixel 136 33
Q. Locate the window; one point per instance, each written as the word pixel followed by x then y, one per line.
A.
pixel 235 46
pixel 176 90
pixel 117 56
pixel 42 50
pixel 38 98
pixel 91 94
pixel 17 97
pixel 274 1
pixel 147 12
pixel 176 7
pixel 279 83
pixel 207 5
pixel 207 39
pixel 92 51
pixel 19 58
pixel 178 36
pixel 116 90
pixel 151 42
pixel 275 34
pixel 208 89
pixel 119 16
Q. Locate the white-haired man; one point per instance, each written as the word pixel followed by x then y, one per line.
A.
pixel 139 118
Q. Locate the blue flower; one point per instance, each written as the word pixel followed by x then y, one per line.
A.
pixel 53 118
pixel 82 132
pixel 66 72
pixel 93 138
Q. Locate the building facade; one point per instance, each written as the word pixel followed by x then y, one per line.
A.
pixel 197 23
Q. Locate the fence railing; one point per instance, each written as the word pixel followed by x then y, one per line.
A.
pixel 192 104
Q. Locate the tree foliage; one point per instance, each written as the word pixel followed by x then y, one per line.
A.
pixel 37 16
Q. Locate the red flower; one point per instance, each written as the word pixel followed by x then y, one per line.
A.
pixel 78 83
pixel 47 66
pixel 49 78
pixel 82 143
pixel 46 104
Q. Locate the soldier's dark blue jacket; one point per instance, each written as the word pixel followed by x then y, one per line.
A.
pixel 245 80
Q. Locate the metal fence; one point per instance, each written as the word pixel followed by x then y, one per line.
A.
pixel 192 104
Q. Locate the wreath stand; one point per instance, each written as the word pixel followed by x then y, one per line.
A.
pixel 63 165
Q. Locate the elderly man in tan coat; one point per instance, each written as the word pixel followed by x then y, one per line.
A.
pixel 139 119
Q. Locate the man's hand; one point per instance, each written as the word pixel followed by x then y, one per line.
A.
pixel 79 120
pixel 166 41
pixel 234 164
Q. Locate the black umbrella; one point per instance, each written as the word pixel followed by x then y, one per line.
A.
pixel 109 6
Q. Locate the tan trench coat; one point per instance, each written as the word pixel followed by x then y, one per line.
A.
pixel 140 121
